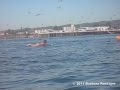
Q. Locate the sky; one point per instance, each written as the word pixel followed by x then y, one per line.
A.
pixel 15 14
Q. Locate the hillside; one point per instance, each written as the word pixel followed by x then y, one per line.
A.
pixel 112 24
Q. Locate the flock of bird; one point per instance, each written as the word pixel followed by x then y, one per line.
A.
pixel 38 14
pixel 59 7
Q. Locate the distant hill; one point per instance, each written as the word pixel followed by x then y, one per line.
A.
pixel 113 24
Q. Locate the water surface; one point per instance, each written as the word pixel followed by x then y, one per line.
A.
pixel 88 58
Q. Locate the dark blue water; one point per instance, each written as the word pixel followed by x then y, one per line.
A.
pixel 89 58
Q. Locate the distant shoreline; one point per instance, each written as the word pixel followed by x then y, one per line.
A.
pixel 60 34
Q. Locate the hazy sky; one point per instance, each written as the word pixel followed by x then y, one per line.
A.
pixel 37 13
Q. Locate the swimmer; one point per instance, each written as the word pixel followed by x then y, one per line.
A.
pixel 44 43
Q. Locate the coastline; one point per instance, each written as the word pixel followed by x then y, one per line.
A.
pixel 58 34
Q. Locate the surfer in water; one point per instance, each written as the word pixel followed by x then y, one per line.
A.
pixel 43 43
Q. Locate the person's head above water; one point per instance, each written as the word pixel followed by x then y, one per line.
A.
pixel 45 41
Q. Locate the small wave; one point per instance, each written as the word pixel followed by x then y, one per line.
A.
pixel 16 57
pixel 22 64
pixel 108 63
pixel 6 71
pixel 81 88
pixel 40 81
pixel 62 80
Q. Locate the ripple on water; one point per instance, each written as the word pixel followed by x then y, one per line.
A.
pixel 57 66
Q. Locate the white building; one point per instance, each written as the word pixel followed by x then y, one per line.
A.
pixel 85 29
pixel 41 31
pixel 100 28
pixel 72 28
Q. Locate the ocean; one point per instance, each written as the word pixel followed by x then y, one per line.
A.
pixel 87 62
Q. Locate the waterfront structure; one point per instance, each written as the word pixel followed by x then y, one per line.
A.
pixel 42 31
pixel 67 31
pixel 72 28
pixel 88 29
pixel 102 28
pixel 39 31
